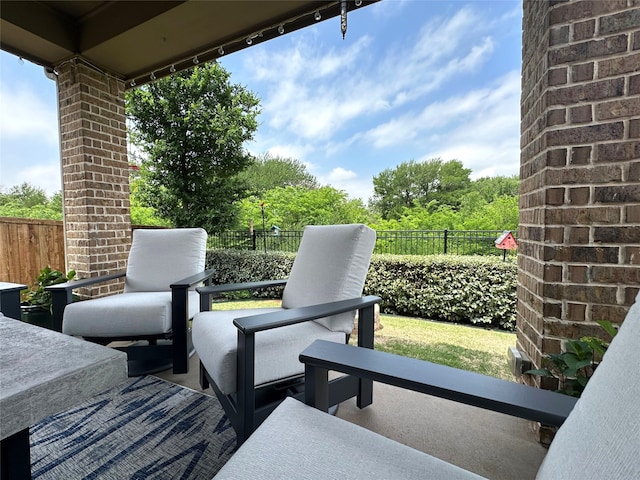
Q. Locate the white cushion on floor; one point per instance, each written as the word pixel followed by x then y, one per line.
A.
pixel 215 338
pixel 139 313
pixel 297 441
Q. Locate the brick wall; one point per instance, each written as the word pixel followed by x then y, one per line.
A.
pixel 95 171
pixel 579 236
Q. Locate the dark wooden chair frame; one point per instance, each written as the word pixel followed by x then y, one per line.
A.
pixel 248 408
pixel 511 398
pixel 10 299
pixel 143 358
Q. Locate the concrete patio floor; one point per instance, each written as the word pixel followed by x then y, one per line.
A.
pixel 490 444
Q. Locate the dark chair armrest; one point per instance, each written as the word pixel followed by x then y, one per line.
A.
pixel 267 321
pixel 180 316
pixel 193 279
pixel 61 295
pixel 10 299
pixel 70 285
pixel 233 287
pixel 207 291
pixel 482 391
pixel 342 388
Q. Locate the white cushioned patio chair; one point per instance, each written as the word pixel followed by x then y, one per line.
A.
pixel 163 269
pixel 598 438
pixel 250 357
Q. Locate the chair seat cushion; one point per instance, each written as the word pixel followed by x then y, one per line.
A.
pixel 123 315
pixel 300 441
pixel 215 338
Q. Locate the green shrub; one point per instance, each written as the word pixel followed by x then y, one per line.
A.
pixel 464 289
pixel 236 266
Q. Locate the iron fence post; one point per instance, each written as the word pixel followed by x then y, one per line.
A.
pixel 446 236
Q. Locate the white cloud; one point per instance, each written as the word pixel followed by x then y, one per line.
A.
pixel 340 174
pixel 45 175
pixel 29 139
pixel 485 135
pixel 297 151
pixel 349 182
pixel 313 92
pixel 25 115
pixel 487 112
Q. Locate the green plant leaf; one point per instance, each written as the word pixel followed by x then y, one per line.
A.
pixel 577 363
pixel 579 348
pixel 582 380
pixel 608 327
pixel 542 372
pixel 596 344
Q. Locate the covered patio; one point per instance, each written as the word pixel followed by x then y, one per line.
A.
pixel 472 438
pixel 579 259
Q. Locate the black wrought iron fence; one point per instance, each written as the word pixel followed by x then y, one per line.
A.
pixel 396 242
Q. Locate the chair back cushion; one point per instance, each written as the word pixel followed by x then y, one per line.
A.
pixel 161 257
pixel 601 436
pixel 331 265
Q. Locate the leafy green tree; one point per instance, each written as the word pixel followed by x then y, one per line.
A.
pixel 27 201
pixel 413 184
pixel 500 214
pixel 492 187
pixel 140 213
pixel 268 172
pixel 192 126
pixel 421 218
pixel 453 182
pixel 24 195
pixel 291 208
pixel 474 214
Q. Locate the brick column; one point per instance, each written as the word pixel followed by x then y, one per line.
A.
pixel 95 172
pixel 579 235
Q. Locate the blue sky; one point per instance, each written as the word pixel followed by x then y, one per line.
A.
pixel 413 80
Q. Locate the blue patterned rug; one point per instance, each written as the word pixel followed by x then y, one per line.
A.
pixel 145 429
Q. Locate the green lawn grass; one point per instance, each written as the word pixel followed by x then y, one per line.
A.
pixel 460 346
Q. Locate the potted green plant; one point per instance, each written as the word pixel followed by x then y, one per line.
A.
pixel 574 367
pixel 36 301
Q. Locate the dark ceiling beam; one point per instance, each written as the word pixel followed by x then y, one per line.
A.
pixel 42 21
pixel 118 17
pixel 303 18
pixel 126 39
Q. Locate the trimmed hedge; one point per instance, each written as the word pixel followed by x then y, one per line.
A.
pixel 466 289
pixel 237 266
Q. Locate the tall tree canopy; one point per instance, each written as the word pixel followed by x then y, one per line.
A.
pixel 291 208
pixel 192 126
pixel 412 184
pixel 24 195
pixel 27 201
pixel 492 187
pixel 268 172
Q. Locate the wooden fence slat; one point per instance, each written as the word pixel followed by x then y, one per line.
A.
pixel 28 245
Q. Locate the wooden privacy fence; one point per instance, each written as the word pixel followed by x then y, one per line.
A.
pixel 28 245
